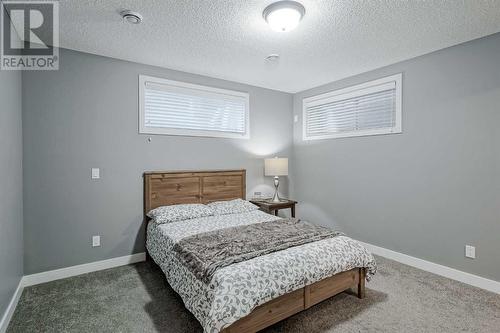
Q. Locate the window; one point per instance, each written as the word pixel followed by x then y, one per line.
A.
pixel 178 108
pixel 370 108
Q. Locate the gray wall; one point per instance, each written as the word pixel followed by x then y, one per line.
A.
pixel 430 190
pixel 11 185
pixel 86 115
pixel 426 192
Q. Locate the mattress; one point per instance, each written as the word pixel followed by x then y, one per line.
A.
pixel 234 291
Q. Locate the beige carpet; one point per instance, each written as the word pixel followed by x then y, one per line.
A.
pixel 136 298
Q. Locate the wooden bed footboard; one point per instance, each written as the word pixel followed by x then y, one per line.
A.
pixel 289 304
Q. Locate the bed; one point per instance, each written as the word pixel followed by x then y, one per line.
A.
pixel 251 295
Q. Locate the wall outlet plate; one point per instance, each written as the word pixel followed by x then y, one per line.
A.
pixel 470 251
pixel 96 241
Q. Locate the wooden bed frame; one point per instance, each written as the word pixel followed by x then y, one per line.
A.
pixel 180 187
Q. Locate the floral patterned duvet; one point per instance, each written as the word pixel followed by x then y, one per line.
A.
pixel 236 290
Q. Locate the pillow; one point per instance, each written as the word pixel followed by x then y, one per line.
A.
pixel 232 207
pixel 174 213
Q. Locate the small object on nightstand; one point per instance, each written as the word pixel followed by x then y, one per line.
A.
pixel 276 167
pixel 273 207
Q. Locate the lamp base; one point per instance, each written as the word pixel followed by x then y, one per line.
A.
pixel 276 197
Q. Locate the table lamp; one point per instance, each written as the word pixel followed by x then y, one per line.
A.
pixel 276 167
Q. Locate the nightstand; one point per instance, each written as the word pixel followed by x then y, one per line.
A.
pixel 269 206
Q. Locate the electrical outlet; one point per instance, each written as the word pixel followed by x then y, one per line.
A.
pixel 470 251
pixel 295 118
pixel 96 241
pixel 257 194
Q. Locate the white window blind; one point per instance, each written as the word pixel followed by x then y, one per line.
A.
pixel 178 108
pixel 371 108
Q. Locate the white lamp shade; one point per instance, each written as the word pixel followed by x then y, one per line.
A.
pixel 276 166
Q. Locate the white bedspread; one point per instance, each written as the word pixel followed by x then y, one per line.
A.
pixel 237 289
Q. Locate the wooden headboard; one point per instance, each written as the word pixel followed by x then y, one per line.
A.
pixel 181 187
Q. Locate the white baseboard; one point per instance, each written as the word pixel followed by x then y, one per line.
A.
pixel 451 273
pixel 30 280
pixel 11 308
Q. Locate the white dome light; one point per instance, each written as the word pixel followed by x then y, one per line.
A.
pixel 284 16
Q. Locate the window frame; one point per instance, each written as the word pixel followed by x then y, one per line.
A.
pixel 351 92
pixel 143 129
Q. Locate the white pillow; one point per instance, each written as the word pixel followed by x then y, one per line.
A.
pixel 232 207
pixel 174 213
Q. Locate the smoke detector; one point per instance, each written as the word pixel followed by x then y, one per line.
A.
pixel 273 57
pixel 131 16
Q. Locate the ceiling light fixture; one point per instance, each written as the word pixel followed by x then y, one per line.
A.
pixel 131 16
pixel 284 16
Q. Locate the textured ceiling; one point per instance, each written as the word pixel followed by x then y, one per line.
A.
pixel 229 39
